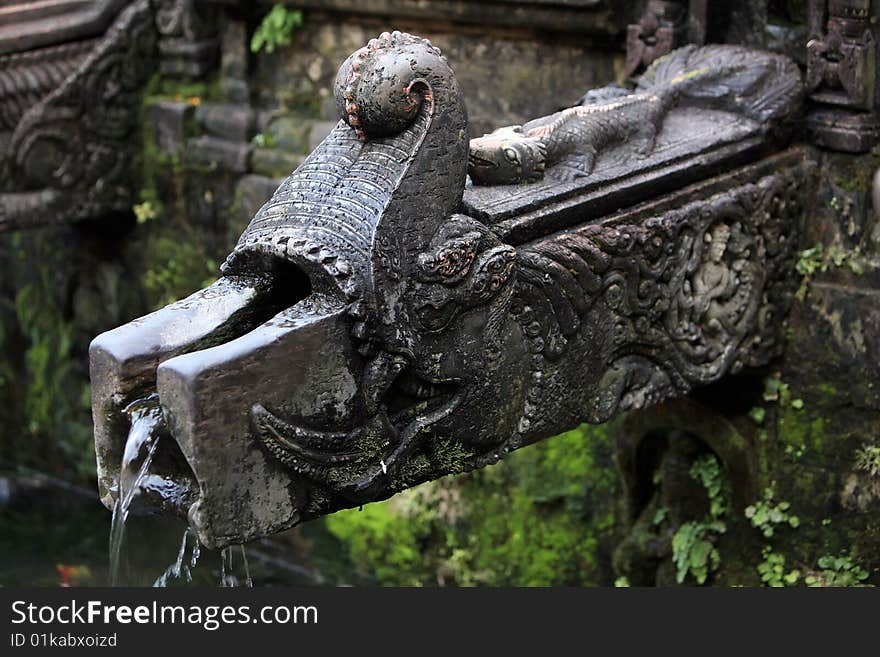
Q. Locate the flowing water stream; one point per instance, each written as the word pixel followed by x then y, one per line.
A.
pixel 181 569
pixel 140 447
pixel 227 567
pixel 144 436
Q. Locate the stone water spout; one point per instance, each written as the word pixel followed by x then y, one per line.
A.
pixel 385 320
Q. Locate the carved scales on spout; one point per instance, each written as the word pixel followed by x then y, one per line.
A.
pixel 421 329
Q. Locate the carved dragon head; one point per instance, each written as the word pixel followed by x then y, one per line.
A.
pixel 367 336
pixel 506 155
pixel 356 315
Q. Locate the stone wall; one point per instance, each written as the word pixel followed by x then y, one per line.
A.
pixel 797 487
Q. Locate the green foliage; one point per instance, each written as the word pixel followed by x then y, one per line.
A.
pixel 819 259
pixel 778 392
pixel 795 451
pixel 56 391
pixel 659 516
pixel 376 536
pixel 177 266
pixel 775 390
pixel 809 260
pixel 694 551
pixel 276 29
pixel 145 212
pixel 693 544
pixel 868 460
pixel 263 140
pixel 837 571
pixel 772 570
pixel 707 470
pixel 621 583
pixel 757 415
pixel 539 518
pixel 765 515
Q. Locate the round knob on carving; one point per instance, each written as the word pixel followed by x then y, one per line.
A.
pixel 380 88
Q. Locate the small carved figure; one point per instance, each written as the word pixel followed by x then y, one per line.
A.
pixel 727 78
pixel 660 30
pixel 714 279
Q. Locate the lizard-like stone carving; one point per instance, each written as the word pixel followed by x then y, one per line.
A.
pixel 761 86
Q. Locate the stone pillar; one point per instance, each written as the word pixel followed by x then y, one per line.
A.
pixel 188 40
pixel 841 75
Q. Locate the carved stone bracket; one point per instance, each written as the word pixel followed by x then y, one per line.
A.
pixel 841 75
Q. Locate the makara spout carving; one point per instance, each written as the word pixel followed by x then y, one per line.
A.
pixel 383 322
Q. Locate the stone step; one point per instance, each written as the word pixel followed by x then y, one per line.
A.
pixel 170 122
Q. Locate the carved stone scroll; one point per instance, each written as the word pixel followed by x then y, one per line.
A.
pixel 664 26
pixel 72 109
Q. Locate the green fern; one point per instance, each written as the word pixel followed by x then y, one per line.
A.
pixel 276 29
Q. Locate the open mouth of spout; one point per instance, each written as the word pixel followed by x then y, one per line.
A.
pixel 124 366
pixel 241 372
pixel 154 476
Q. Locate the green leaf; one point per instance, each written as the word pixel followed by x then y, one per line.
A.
pixel 757 414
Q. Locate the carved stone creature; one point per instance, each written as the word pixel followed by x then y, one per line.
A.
pixel 761 86
pixel 841 63
pixel 367 336
pixel 68 110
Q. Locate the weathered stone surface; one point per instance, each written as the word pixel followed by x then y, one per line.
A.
pixel 584 17
pixel 290 133
pixel 234 61
pixel 529 78
pixel 28 25
pixel 71 114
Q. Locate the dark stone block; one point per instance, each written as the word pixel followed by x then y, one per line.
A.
pixel 170 121
pixel 274 162
pixel 228 121
pixel 251 192
pixel 840 130
pixel 182 57
pixel 319 132
pixel 215 152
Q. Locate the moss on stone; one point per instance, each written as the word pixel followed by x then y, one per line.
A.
pixel 544 516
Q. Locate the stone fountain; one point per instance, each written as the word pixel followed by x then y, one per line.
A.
pixel 411 304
